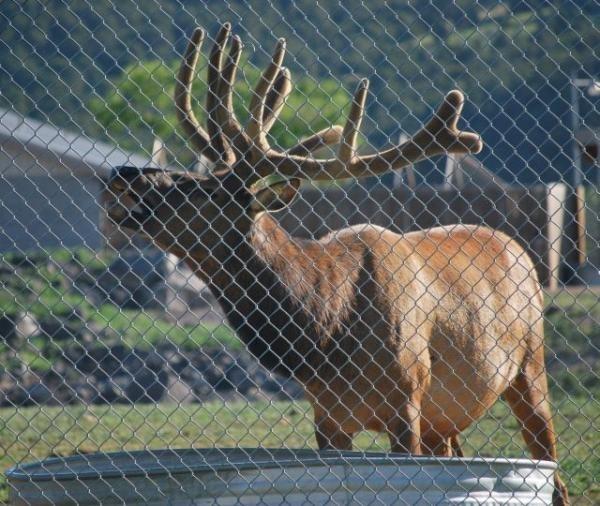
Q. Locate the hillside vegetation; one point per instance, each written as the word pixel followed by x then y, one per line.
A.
pixel 512 58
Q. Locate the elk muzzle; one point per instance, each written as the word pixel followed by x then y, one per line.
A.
pixel 131 196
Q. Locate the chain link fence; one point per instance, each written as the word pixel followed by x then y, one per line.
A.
pixel 187 278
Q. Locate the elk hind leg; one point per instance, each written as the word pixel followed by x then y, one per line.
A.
pixel 433 443
pixel 527 397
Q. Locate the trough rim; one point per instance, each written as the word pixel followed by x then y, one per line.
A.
pixel 267 458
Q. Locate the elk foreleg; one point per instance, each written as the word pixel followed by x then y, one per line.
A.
pixel 404 428
pixel 414 369
pixel 330 435
pixel 441 446
pixel 456 446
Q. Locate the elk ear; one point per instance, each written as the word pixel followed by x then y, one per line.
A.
pixel 273 192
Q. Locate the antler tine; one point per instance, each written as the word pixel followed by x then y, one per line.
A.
pixel 225 113
pixel 275 101
pixel 443 127
pixel 351 129
pixel 213 96
pixel 281 89
pixel 439 136
pixel 325 137
pixel 183 102
pixel 255 127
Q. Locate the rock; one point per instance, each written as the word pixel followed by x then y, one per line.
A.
pixel 29 260
pixel 108 359
pixel 99 330
pixel 63 393
pixel 39 394
pixel 267 383
pixel 176 360
pixel 201 387
pixel 26 326
pixel 79 357
pixel 132 363
pixel 92 295
pixel 85 392
pixel 60 329
pixel 185 298
pixel 154 361
pixel 101 369
pixel 55 328
pixel 8 326
pixel 145 386
pixel 87 336
pixel 179 391
pixel 139 298
pixel 70 269
pixel 110 390
pixel 290 389
pixel 8 384
pixel 85 278
pixel 133 279
pixel 238 378
pixel 14 396
pixel 205 365
pixel 62 368
pixel 6 270
pixel 143 297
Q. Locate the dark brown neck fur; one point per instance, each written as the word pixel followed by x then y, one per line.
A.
pixel 265 283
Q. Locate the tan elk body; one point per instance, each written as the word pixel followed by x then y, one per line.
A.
pixel 415 335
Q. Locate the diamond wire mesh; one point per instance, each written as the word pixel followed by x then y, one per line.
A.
pixel 109 343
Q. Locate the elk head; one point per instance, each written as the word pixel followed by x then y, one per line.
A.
pixel 191 214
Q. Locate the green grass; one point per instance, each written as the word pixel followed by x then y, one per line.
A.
pixel 35 433
pixel 573 341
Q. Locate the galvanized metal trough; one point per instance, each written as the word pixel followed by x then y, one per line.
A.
pixel 274 477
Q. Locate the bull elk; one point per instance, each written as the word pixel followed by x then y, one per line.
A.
pixel 415 335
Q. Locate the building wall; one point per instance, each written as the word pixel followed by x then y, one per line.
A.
pixel 44 206
pixel 522 213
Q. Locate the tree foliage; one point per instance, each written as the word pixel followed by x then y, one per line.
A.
pixel 140 106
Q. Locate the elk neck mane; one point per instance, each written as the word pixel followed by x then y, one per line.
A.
pixel 286 297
